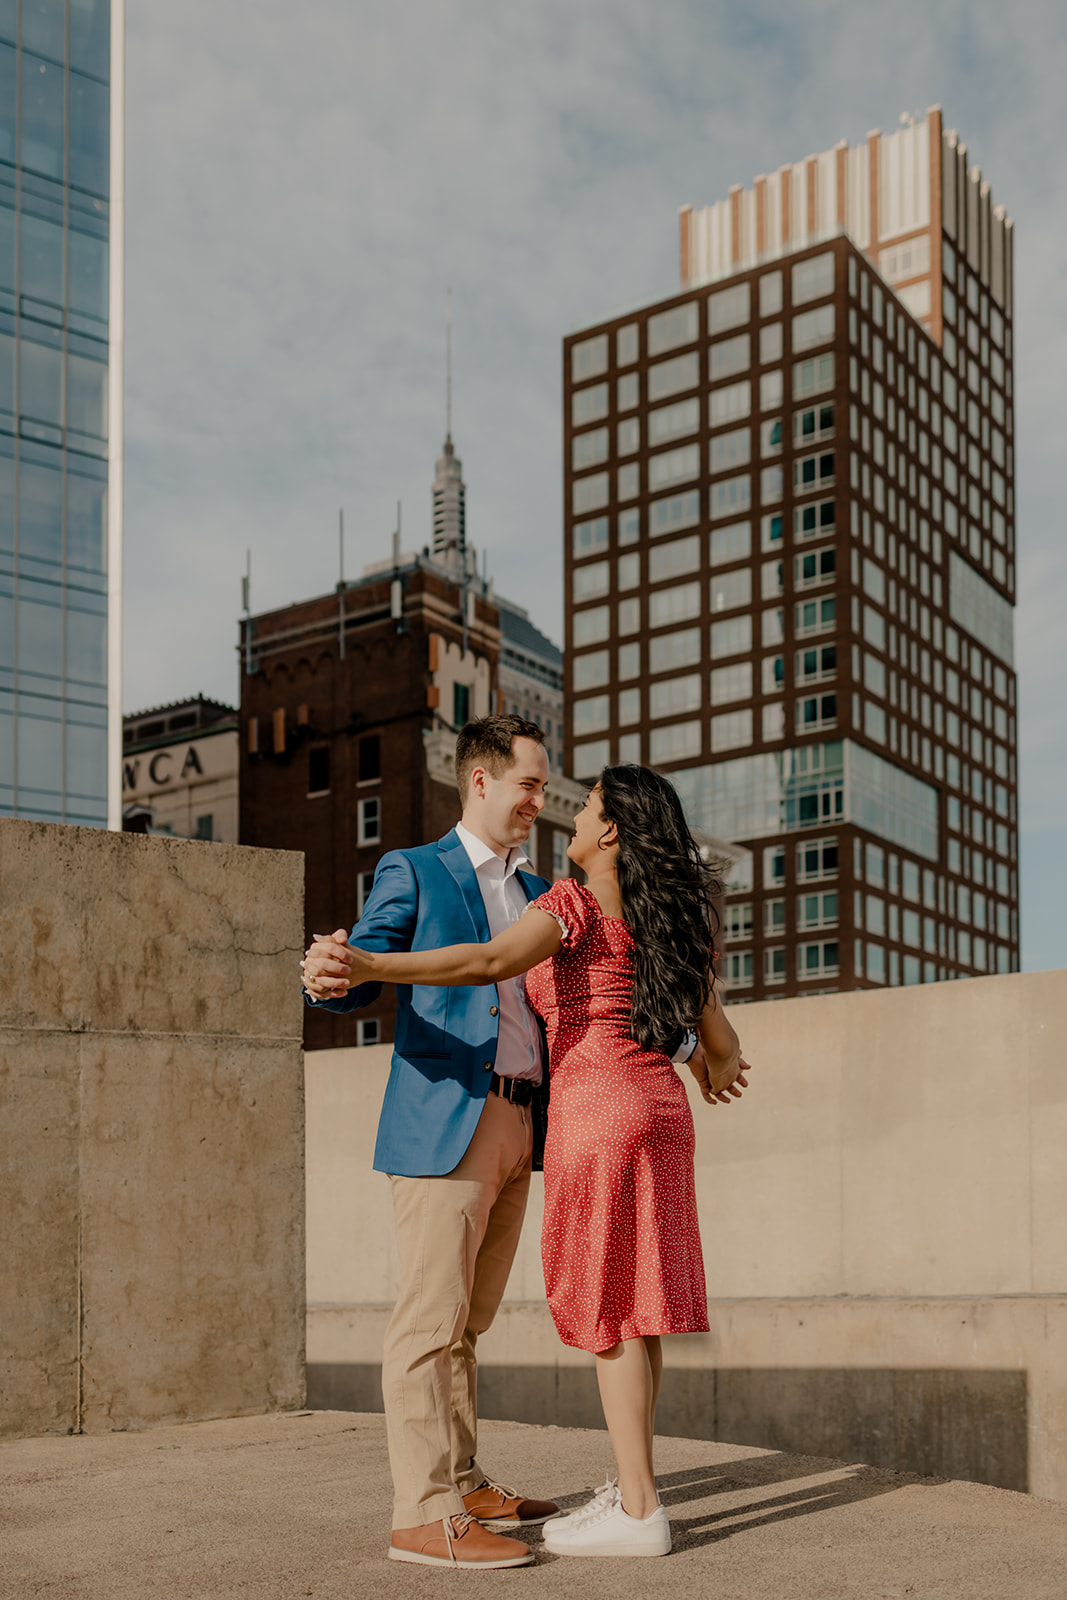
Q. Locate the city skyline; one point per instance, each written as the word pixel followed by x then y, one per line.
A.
pixel 561 216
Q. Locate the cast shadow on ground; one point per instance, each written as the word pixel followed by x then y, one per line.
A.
pixel 678 1489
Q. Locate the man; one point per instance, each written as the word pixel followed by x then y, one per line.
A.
pixel 456 1139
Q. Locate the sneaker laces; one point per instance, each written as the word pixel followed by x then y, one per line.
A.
pixel 603 1501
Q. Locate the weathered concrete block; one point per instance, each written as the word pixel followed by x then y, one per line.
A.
pixel 151 1130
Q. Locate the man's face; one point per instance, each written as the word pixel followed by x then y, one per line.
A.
pixel 503 810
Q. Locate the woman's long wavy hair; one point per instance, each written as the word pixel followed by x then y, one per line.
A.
pixel 666 890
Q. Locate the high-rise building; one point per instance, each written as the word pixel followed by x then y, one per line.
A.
pixel 790 560
pixel 61 202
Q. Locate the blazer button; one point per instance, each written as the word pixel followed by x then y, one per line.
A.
pixel 488 1065
pixel 492 1011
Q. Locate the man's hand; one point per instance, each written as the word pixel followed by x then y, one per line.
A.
pixel 725 1086
pixel 326 968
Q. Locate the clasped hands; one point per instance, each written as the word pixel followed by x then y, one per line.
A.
pixel 331 966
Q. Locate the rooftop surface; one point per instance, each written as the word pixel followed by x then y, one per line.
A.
pixel 297 1505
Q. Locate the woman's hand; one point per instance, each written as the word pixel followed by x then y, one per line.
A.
pixel 722 1086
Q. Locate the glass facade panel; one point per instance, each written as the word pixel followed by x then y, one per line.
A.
pixel 54 229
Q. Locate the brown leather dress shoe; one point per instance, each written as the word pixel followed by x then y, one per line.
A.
pixel 457 1541
pixel 498 1507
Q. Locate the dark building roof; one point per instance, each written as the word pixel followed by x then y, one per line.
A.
pixel 519 632
pixel 161 724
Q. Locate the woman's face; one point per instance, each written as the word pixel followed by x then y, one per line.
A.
pixel 589 829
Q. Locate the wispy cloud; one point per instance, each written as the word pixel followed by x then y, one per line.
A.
pixel 304 182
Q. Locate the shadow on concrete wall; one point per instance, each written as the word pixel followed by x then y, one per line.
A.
pixel 939 1422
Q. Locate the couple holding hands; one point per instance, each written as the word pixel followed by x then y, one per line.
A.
pixel 488 960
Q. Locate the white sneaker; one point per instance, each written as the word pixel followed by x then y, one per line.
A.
pixel 606 1495
pixel 608 1531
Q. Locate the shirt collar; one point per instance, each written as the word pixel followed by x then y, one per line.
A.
pixel 481 855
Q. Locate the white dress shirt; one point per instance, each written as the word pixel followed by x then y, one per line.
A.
pixel 519 1050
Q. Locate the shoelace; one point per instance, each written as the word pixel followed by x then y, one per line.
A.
pixel 603 1501
pixel 497 1488
pixel 456 1526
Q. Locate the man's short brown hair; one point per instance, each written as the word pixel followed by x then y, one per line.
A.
pixel 487 742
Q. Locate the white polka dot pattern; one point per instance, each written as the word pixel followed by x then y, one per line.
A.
pixel 620 1242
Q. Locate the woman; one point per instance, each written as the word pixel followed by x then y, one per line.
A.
pixel 620 969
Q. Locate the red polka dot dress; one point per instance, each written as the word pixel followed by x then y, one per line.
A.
pixel 620 1242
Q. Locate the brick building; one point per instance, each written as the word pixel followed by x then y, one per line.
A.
pixel 790 561
pixel 348 718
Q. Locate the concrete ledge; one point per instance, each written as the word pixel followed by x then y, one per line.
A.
pixel 972 1389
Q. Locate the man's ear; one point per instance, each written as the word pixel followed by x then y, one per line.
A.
pixel 477 782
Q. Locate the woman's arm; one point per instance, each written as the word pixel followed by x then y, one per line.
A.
pixel 533 938
pixel 718 1067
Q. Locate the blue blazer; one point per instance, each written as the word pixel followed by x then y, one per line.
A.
pixel 446 1039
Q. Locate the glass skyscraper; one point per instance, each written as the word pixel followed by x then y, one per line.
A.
pixel 60 409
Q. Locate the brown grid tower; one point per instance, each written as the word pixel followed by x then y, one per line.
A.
pixel 790 561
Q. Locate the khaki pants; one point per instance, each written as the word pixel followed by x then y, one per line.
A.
pixel 457 1237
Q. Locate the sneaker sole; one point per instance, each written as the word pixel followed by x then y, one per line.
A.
pixel 421 1560
pixel 495 1524
pixel 602 1550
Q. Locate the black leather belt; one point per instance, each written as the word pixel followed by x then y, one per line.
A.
pixel 518 1090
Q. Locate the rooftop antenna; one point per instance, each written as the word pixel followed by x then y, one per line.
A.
pixel 448 362
pixel 246 607
pixel 396 587
pixel 341 581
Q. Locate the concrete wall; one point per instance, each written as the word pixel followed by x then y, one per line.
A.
pixel 151 1130
pixel 883 1228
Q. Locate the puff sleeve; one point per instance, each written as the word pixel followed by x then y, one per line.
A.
pixel 573 907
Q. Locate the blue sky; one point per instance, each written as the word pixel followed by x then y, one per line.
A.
pixel 303 183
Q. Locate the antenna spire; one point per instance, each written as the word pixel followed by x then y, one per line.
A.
pixel 448 362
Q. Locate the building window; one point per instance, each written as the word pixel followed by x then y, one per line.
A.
pixel 205 827
pixel 364 885
pixel 368 1031
pixel 817 911
pixel 731 683
pixel 590 715
pixel 813 472
pixel 815 712
pixel 816 858
pixel 773 919
pixel 774 965
pixel 815 666
pixel 589 405
pixel 676 742
pixel 369 821
pixel 590 627
pixel 319 770
pixel 813 425
pixel 461 704
pixel 668 651
pixel 737 921
pixel 774 866
pixel 560 863
pixel 591 581
pixel 818 960
pixel 815 567
pixel 738 964
pixel 731 730
pixel 876 963
pixel 589 537
pixel 815 616
pixel 811 520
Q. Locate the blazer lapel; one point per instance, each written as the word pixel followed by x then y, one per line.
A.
pixel 459 865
